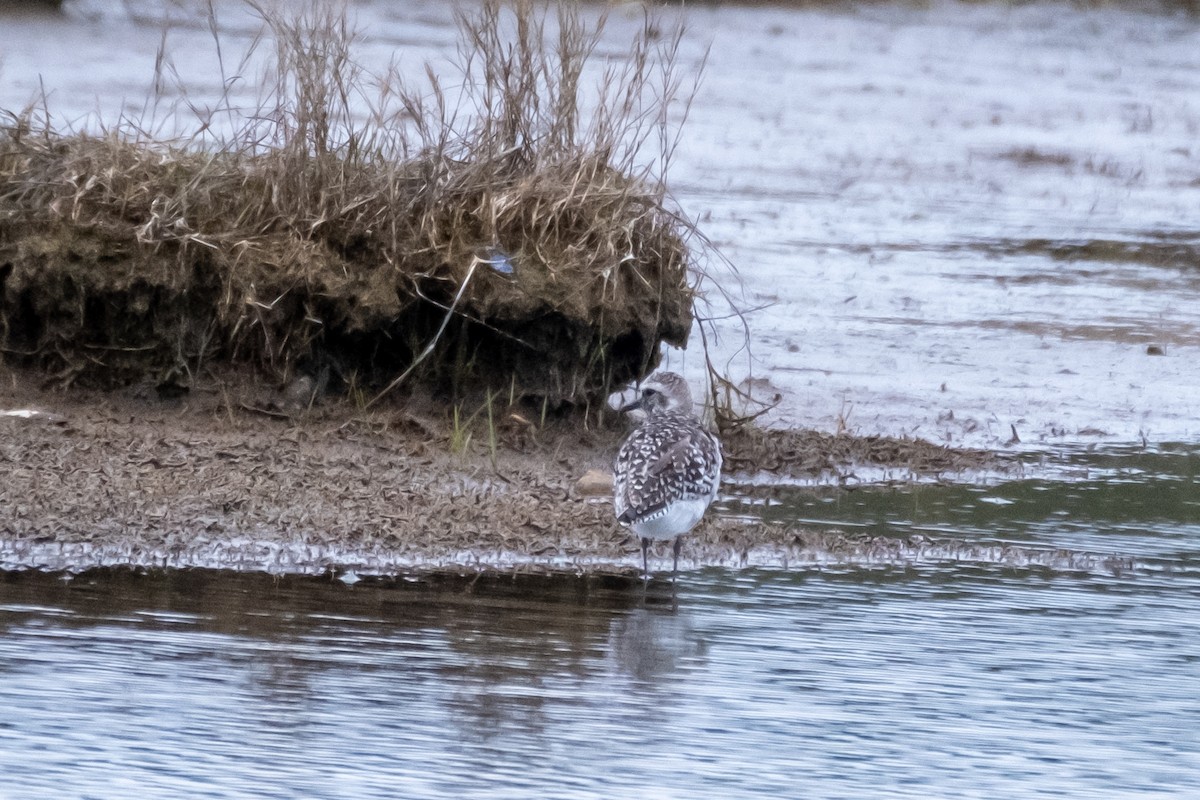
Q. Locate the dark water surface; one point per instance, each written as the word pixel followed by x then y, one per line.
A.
pixel 1142 503
pixel 921 680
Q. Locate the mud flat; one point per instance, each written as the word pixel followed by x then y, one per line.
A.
pixel 222 480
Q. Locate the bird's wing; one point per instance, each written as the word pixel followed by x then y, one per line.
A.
pixel 658 466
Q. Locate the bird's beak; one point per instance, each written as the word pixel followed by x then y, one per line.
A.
pixel 636 405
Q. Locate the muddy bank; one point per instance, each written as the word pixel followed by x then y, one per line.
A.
pixel 213 480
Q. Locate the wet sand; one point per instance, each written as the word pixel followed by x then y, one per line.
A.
pixel 218 480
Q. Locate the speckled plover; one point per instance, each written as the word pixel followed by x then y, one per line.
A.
pixel 668 469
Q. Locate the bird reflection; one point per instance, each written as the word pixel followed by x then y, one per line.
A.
pixel 655 642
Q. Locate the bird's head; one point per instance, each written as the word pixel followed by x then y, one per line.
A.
pixel 662 392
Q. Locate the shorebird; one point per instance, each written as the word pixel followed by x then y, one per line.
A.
pixel 668 469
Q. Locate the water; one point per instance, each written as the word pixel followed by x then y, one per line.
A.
pixel 950 681
pixel 958 222
pixel 1129 501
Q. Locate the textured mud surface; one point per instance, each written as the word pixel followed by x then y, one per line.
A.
pixel 95 479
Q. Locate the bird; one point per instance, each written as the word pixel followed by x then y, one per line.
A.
pixel 667 471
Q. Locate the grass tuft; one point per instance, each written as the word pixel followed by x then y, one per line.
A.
pixel 505 225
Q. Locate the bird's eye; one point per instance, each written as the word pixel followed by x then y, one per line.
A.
pixel 648 393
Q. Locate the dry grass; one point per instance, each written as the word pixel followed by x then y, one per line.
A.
pixel 515 234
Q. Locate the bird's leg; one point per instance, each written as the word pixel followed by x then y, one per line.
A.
pixel 645 563
pixel 675 549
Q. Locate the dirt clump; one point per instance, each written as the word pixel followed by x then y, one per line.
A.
pixel 516 244
pixel 97 285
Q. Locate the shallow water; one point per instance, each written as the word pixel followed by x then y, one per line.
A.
pixel 1141 504
pixel 948 682
pixel 964 223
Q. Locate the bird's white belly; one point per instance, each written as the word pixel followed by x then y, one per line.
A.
pixel 677 519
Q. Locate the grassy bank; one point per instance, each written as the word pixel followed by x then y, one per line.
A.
pixel 505 229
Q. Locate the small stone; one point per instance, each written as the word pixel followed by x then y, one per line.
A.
pixel 594 483
pixel 1154 350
